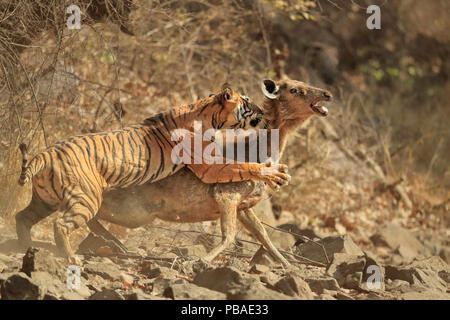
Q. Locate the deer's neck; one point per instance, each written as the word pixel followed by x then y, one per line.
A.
pixel 281 120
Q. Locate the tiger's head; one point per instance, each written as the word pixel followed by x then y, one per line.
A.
pixel 238 111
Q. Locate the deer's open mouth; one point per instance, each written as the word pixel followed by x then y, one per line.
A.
pixel 320 110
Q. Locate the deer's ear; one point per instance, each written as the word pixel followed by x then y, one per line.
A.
pixel 270 89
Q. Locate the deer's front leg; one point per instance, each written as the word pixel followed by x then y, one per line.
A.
pixel 228 207
pixel 252 224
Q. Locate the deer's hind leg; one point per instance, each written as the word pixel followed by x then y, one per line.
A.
pixel 252 224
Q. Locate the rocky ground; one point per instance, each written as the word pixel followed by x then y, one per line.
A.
pixel 165 264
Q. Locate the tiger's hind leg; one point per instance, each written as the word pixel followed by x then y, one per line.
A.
pixel 36 211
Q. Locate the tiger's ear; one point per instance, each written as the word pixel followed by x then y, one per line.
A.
pixel 227 92
pixel 270 89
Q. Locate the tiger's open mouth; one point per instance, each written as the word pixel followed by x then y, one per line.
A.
pixel 320 110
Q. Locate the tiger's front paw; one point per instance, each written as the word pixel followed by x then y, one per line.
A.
pixel 276 175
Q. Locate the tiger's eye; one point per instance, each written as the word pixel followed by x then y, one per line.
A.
pixel 254 122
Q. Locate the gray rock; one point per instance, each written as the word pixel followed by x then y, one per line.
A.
pixel 200 265
pixel 400 286
pixel 373 296
pixel 343 296
pixel 353 280
pixel 197 250
pixel 425 295
pixel 319 284
pixel 127 278
pixel 281 240
pixel 433 242
pixel 224 279
pixel 406 252
pixel 55 289
pixel 295 287
pixel 400 239
pixel 332 245
pixel 108 271
pixel 255 291
pixel 343 266
pixel 146 266
pixel 445 275
pixel 264 212
pixel 326 297
pixel 19 286
pixel 6 259
pixel 159 285
pixel 262 257
pixel 445 254
pixel 138 294
pixel 95 244
pixel 44 261
pixel 236 262
pixel 161 272
pixel 106 294
pixel 4 276
pixel 291 227
pixel 424 273
pixel 189 291
pixel 259 269
pixel 270 279
pixel 397 259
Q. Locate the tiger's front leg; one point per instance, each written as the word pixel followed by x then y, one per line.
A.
pixel 77 215
pixel 274 176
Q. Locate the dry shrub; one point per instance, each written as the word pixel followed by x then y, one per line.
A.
pixel 56 82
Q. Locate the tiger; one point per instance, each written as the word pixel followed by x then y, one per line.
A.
pixel 70 176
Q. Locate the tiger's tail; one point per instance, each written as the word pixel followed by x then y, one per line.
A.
pixel 29 169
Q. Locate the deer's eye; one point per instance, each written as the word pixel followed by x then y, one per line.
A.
pixel 294 90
